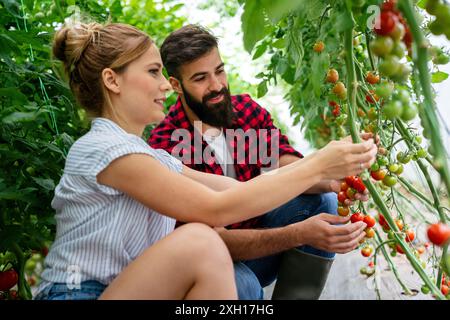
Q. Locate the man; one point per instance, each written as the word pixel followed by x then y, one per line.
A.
pixel 294 243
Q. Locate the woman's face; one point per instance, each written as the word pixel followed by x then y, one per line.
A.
pixel 143 89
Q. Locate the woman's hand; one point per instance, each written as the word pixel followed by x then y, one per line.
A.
pixel 339 159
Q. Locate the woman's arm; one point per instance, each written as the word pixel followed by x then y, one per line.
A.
pixel 213 181
pixel 146 180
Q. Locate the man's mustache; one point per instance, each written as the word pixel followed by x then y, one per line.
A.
pixel 214 94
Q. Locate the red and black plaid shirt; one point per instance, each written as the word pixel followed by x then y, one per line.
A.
pixel 248 115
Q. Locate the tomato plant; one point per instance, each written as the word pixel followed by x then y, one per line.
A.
pixel 386 66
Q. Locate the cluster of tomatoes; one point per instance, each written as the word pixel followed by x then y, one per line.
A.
pixel 441 11
pixel 392 41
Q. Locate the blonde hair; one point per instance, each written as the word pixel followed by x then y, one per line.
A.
pixel 86 49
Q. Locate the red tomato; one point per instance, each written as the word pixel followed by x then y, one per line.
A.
pixel 372 97
pixel 336 111
pixel 357 216
pixel 342 196
pixel 385 23
pixel 370 221
pixel 349 180
pixel 8 279
pixel 409 235
pixel 371 264
pixel 438 233
pixel 381 220
pixel 444 289
pixel 399 249
pixel 358 184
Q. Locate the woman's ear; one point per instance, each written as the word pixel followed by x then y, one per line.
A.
pixel 110 80
pixel 176 85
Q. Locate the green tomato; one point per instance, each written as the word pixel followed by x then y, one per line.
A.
pixel 399 49
pixel 382 46
pixel 389 66
pixel 409 112
pixel 384 89
pixel 398 32
pixel 418 139
pixel 399 170
pixel 441 59
pixel 393 167
pixel 372 114
pixel 31 171
pixel 421 153
pixel 393 109
pixel 425 289
pixel 375 167
pixel 402 74
pixel 382 161
pixel 389 180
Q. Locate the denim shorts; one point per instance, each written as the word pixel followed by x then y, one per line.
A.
pixel 88 290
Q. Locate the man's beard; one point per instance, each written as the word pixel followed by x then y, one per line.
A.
pixel 219 114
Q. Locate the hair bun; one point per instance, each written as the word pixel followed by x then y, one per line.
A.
pixel 71 41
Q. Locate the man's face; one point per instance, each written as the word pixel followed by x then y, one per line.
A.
pixel 205 89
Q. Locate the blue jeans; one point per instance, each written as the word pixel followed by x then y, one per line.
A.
pixel 253 275
pixel 89 290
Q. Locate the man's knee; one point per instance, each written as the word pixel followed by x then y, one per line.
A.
pixel 247 283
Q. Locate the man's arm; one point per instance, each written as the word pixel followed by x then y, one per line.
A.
pixel 324 231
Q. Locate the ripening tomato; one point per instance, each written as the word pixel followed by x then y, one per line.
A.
pixel 340 91
pixel 366 251
pixel 351 193
pixel 332 76
pixel 343 211
pixel 319 46
pixel 357 216
pixel 409 235
pixel 370 221
pixel 399 224
pixel 378 175
pixel 371 97
pixel 344 186
pixel 438 233
pixel 372 78
pixel 370 233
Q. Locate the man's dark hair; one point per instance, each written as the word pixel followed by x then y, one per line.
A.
pixel 186 45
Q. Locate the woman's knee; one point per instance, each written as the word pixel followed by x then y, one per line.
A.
pixel 204 241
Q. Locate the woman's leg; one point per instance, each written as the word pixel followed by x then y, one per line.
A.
pixel 190 263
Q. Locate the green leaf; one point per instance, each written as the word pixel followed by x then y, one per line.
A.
pixel 260 50
pixel 29 4
pixel 47 184
pixel 343 22
pixel 22 116
pixel 319 67
pixel 276 10
pixel 252 23
pixel 262 89
pixel 438 76
pixel 14 94
pixel 421 4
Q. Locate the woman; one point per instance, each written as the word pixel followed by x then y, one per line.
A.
pixel 118 199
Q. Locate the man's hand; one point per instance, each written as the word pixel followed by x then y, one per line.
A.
pixel 326 232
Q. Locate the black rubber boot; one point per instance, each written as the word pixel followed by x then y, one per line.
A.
pixel 302 276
